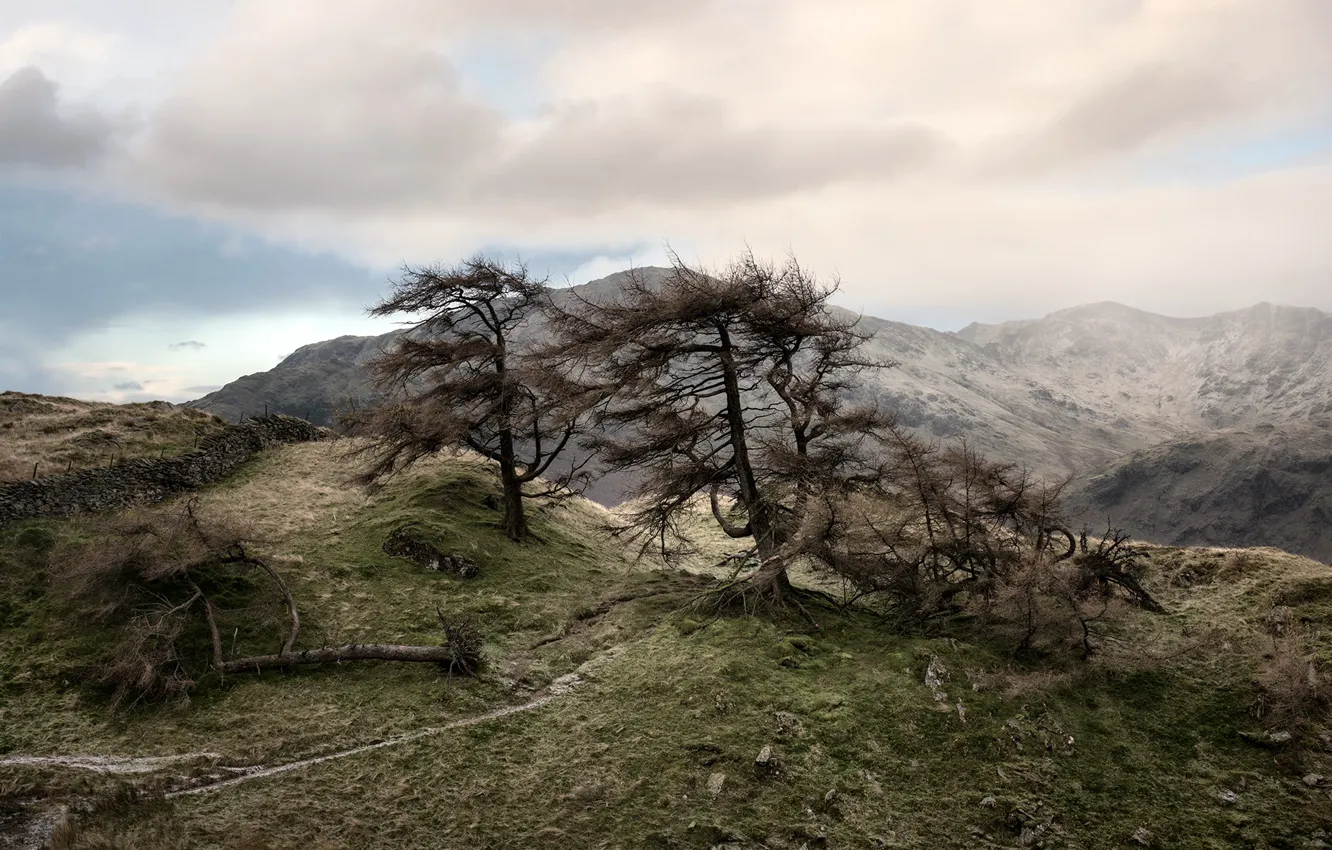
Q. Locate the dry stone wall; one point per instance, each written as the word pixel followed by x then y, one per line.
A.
pixel 150 479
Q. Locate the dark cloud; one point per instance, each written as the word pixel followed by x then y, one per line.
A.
pixel 127 386
pixel 74 262
pixel 33 130
pixel 191 344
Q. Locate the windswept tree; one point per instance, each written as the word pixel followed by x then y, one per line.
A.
pixel 730 386
pixel 457 379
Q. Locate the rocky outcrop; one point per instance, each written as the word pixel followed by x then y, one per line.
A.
pixel 150 479
pixel 408 542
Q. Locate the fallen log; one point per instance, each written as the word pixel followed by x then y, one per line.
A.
pixel 338 654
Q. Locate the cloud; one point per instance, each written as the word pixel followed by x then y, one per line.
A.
pixel 202 390
pixel 35 132
pixel 998 158
pixel 192 345
pixel 58 43
pixel 128 386
pixel 687 151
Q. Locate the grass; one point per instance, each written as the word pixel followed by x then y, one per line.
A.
pixel 56 435
pixel 1051 752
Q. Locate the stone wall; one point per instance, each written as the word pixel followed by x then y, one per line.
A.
pixel 150 479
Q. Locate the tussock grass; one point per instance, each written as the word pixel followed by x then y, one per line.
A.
pixel 63 434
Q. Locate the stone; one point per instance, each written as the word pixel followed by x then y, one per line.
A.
pixel 715 783
pixel 1313 779
pixel 1143 837
pixel 788 724
pixel 936 674
pixel 766 762
pixel 407 541
pixel 988 802
pixel 1227 797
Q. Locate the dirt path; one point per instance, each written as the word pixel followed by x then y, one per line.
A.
pixel 108 764
pixel 252 774
pixel 147 764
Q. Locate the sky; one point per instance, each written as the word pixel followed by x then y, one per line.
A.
pixel 190 191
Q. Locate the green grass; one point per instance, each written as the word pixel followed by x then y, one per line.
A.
pixel 1055 752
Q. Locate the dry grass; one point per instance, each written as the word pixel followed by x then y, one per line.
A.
pixel 62 434
pixel 308 488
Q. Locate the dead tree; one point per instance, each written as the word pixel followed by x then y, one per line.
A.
pixel 726 385
pixel 457 379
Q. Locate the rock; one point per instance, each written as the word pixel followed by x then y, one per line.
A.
pixel 988 802
pixel 715 783
pixel 936 674
pixel 788 724
pixel 406 541
pixel 766 763
pixel 1143 837
pixel 1313 779
pixel 1227 797
pixel 1270 740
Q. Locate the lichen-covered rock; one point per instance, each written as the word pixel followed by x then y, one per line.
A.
pixel 406 541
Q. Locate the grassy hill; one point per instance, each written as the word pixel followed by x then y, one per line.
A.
pixel 62 434
pixel 656 712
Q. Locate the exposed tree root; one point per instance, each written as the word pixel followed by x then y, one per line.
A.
pixel 763 593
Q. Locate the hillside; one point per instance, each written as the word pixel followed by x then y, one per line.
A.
pixel 612 712
pixel 63 434
pixel 1070 395
pixel 1267 485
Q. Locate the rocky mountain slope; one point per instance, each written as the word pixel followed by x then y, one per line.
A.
pixel 1269 485
pixel 1070 395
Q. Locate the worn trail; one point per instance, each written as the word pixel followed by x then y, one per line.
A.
pixel 262 772
pixel 147 764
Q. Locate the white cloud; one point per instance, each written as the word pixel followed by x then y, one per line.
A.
pixel 954 153
pixel 52 43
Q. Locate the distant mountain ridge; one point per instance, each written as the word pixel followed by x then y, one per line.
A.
pixel 1073 395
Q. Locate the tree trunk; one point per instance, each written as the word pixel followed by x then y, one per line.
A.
pixel 772 583
pixel 515 521
pixel 351 652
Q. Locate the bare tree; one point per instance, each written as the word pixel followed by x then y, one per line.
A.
pixel 456 379
pixel 727 384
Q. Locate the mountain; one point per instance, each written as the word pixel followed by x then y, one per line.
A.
pixel 1269 485
pixel 1078 394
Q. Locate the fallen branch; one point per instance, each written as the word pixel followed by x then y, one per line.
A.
pixel 338 654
